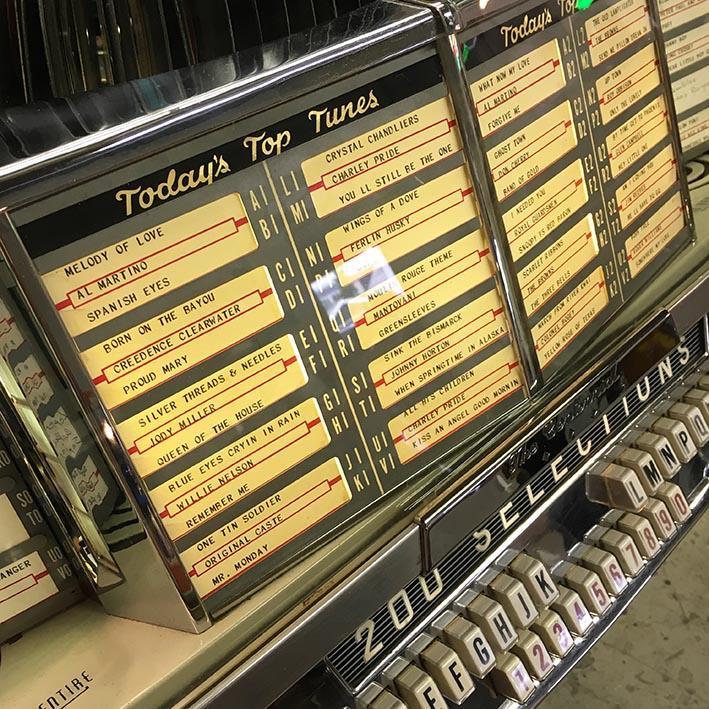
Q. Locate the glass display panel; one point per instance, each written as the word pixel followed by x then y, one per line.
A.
pixel 574 120
pixel 685 26
pixel 287 319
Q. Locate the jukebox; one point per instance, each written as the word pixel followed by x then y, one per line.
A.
pixel 352 354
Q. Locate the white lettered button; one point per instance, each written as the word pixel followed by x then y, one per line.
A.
pixel 376 697
pixel 624 549
pixel 641 532
pixel 491 618
pixel 511 679
pixel 615 486
pixel 587 584
pixel 661 451
pixel 535 578
pixel 658 515
pixel 573 611
pixel 678 436
pixel 553 631
pixel 675 501
pixel 534 655
pixel 700 399
pixel 511 594
pixel 414 686
pixel 644 466
pixel 444 665
pixel 605 565
pixel 467 640
pixel 693 420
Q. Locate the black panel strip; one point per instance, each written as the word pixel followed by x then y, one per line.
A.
pixel 90 215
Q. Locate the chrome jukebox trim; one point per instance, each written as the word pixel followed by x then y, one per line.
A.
pixel 685 309
pixel 654 13
pixel 474 10
pixel 159 590
pixel 451 513
pixel 52 484
pixel 301 647
pixel 156 586
pixel 295 651
pixel 285 74
pixel 448 19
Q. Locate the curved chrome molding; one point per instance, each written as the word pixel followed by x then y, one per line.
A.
pixel 401 30
pixel 449 22
pixel 159 589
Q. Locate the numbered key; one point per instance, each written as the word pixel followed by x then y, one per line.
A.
pixel 534 654
pixel 535 578
pixel 678 436
pixel 588 585
pixel 511 679
pixel 377 697
pixel 573 611
pixel 693 420
pixel 621 546
pixel 675 501
pixel 604 564
pixel 661 451
pixel 640 530
pixel 413 685
pixel 511 594
pixel 554 633
pixel 490 617
pixel 467 640
pixel 658 515
pixel 615 486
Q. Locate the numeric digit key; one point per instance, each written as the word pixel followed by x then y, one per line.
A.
pixel 620 545
pixel 658 515
pixel 511 679
pixel 587 584
pixel 604 564
pixel 675 501
pixel 534 654
pixel 638 528
pixel 553 631
pixel 573 611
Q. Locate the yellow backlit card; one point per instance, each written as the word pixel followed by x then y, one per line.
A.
pixel 125 275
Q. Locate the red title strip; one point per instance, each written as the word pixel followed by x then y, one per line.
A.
pixel 69 302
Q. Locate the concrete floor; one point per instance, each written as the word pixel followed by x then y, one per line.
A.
pixel 657 655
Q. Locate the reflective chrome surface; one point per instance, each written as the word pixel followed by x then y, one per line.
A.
pixel 120 125
pixel 156 587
